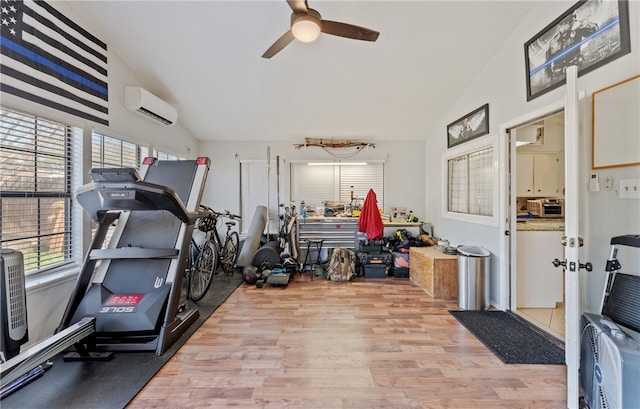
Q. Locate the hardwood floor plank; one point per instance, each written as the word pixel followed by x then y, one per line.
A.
pixel 364 344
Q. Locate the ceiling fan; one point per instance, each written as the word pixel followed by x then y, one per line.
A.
pixel 307 24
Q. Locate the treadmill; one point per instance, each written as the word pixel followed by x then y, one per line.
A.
pixel 127 295
pixel 133 286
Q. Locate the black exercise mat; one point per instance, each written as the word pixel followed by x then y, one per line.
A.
pixel 112 384
pixel 511 338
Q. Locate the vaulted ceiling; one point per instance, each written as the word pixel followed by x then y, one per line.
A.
pixel 204 57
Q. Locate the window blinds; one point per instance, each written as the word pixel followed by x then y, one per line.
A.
pixel 35 188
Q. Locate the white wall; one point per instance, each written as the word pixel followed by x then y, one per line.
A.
pixel 502 85
pixel 404 183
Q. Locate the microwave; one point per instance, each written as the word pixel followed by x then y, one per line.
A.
pixel 546 207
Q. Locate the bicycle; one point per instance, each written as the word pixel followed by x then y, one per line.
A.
pixel 204 259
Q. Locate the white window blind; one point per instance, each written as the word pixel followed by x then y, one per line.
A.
pixel 317 184
pixel 470 183
pixel 108 152
pixel 165 155
pixel 359 179
pixel 36 188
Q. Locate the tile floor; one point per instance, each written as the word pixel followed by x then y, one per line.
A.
pixel 551 319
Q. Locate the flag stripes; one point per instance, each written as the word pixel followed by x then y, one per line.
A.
pixel 50 60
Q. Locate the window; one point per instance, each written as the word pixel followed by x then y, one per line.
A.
pixel 165 156
pixel 470 184
pixel 335 182
pixel 108 152
pixel 35 189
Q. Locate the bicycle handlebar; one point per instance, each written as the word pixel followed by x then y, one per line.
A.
pixel 231 215
pixel 215 214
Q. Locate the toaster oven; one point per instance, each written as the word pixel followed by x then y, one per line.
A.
pixel 546 207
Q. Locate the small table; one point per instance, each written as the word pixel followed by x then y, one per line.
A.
pixel 317 243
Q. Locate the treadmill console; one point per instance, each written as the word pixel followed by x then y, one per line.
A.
pixel 125 175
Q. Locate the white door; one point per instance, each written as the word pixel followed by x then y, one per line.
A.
pixel 572 263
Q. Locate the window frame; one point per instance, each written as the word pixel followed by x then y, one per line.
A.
pixel 471 147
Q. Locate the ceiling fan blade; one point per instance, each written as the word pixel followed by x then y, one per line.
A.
pixel 298 6
pixel 280 43
pixel 349 31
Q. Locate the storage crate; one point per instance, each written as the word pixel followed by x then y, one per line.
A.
pixel 375 271
pixel 400 259
pixel 370 249
pixel 401 272
pixel 375 258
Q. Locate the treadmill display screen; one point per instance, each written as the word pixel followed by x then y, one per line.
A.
pixel 120 303
pixel 123 299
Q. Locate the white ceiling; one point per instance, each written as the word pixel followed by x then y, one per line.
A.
pixel 204 57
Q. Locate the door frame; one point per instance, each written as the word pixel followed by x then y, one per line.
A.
pixel 508 287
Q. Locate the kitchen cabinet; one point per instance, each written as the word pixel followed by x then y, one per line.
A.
pixel 539 174
pixel 539 284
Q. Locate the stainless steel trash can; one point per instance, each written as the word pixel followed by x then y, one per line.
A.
pixel 473 278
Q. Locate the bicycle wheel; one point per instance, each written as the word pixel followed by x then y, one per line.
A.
pixel 230 253
pixel 202 273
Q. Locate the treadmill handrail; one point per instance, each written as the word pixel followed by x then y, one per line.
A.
pixel 97 198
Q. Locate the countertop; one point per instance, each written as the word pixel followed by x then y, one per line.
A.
pixel 344 219
pixel 540 224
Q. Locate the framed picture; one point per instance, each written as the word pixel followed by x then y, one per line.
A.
pixel 589 35
pixel 469 126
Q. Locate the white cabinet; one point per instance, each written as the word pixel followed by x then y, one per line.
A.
pixel 539 174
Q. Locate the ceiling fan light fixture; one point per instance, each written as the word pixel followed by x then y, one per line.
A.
pixel 305 28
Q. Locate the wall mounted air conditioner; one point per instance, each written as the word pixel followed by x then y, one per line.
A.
pixel 609 364
pixel 143 102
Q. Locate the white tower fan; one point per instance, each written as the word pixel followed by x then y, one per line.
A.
pixel 13 304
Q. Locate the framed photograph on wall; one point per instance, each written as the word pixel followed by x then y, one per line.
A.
pixel 589 35
pixel 470 126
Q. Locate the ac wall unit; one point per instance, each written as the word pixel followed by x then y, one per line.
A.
pixel 13 304
pixel 609 364
pixel 143 102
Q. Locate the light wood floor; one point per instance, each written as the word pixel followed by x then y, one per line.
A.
pixel 363 344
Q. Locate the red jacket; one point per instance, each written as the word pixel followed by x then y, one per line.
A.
pixel 370 220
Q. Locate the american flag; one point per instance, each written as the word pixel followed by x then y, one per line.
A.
pixel 50 60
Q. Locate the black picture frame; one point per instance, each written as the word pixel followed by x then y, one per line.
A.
pixel 590 34
pixel 468 127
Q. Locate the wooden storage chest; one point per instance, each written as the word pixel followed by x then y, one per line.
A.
pixel 434 271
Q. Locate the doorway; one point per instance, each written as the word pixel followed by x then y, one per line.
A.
pixel 537 292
